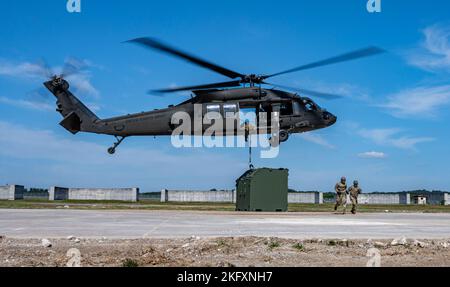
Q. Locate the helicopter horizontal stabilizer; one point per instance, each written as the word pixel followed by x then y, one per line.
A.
pixel 72 123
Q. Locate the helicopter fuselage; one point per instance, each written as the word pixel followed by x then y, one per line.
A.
pixel 296 114
pixel 293 114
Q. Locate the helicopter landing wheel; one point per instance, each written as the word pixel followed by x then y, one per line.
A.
pixel 112 150
pixel 283 135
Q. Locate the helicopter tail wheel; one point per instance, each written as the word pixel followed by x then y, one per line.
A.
pixel 112 150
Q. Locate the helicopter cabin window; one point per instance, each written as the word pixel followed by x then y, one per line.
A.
pixel 296 109
pixel 230 110
pixel 286 109
pixel 213 112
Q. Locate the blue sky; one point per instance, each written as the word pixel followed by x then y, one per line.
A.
pixel 392 133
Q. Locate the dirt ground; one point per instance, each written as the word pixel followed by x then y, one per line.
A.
pixel 221 252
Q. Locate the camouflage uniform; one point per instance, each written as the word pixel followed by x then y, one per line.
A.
pixel 341 194
pixel 248 129
pixel 354 191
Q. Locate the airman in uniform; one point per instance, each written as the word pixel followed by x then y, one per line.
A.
pixel 354 192
pixel 248 129
pixel 341 194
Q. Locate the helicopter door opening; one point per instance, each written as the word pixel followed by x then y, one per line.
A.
pixel 264 116
pixel 286 109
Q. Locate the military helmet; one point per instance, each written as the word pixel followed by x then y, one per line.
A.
pixel 355 183
pixel 343 179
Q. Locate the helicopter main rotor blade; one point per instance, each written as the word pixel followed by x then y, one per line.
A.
pixel 366 52
pixel 154 44
pixel 312 93
pixel 200 87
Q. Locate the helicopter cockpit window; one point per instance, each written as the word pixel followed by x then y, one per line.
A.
pixel 230 111
pixel 213 112
pixel 310 106
pixel 286 109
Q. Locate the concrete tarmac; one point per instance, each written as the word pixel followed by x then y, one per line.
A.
pixel 179 224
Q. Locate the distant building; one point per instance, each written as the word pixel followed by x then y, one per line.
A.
pixel 420 199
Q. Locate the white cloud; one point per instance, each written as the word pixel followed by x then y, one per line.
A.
pixel 22 142
pixel 41 106
pixel 317 139
pixel 434 53
pixel 391 137
pixel 418 102
pixel 372 154
pixel 44 158
pixel 78 77
pixel 23 70
pixel 82 83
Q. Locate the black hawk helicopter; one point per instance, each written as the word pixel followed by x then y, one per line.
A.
pixel 297 114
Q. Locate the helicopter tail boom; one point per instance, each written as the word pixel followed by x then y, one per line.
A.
pixel 77 117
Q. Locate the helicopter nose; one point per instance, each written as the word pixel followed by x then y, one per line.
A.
pixel 329 118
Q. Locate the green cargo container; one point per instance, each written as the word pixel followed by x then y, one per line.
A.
pixel 262 189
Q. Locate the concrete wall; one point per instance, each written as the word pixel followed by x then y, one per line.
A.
pixel 15 192
pixel 230 196
pixel 301 197
pixel 437 199
pixel 377 198
pixel 198 196
pixel 405 198
pixel 305 197
pixel 11 192
pixel 58 193
pixel 115 194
